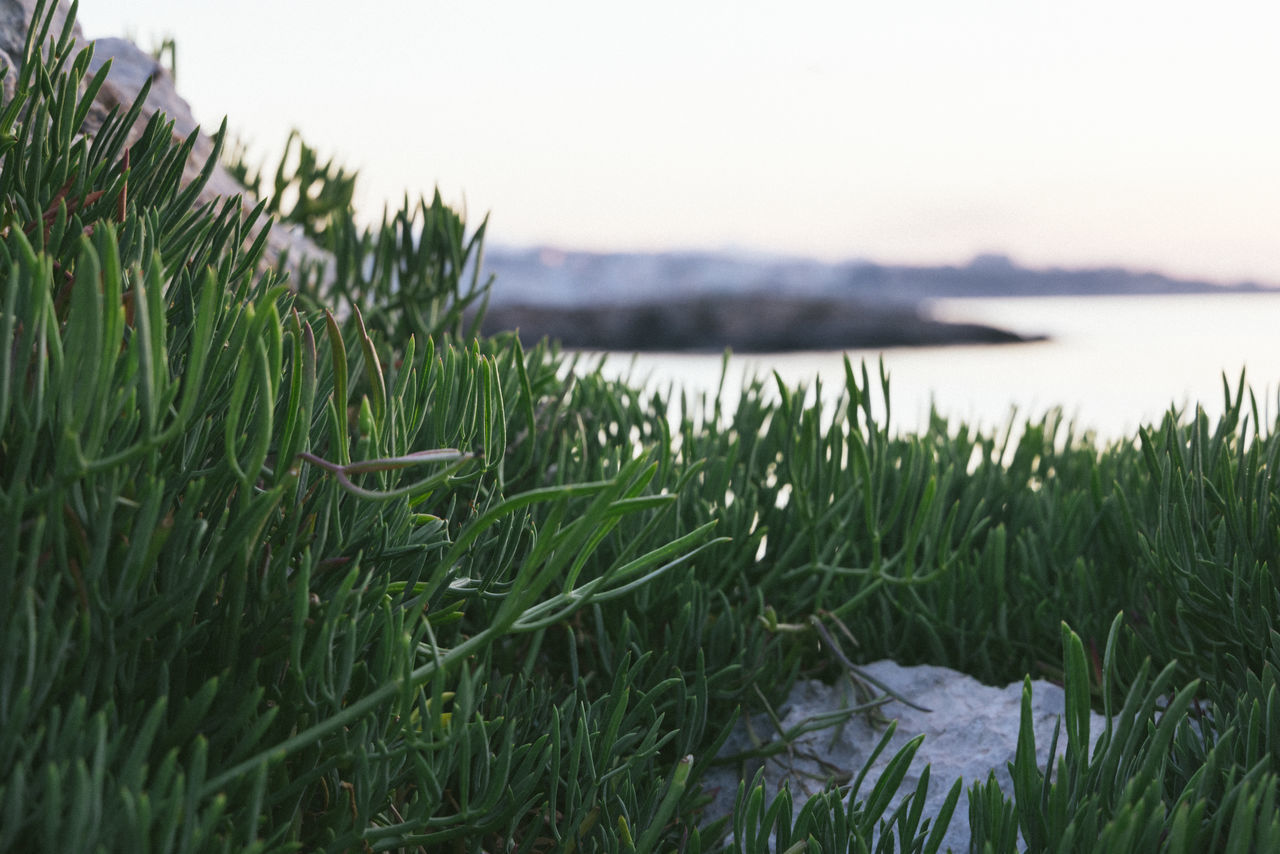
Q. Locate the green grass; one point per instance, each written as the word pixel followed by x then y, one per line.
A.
pixel 275 581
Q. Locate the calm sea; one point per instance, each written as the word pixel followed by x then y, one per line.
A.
pixel 1111 364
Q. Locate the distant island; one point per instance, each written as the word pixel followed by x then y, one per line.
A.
pixel 709 301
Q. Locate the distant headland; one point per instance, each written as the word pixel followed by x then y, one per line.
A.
pixel 709 300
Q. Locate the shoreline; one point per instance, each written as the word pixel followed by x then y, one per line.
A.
pixel 745 323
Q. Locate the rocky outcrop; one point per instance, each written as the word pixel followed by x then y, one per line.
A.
pixel 971 731
pixel 744 323
pixel 131 69
pixel 15 18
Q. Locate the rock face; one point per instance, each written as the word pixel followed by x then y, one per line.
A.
pixel 15 18
pixel 744 322
pixel 131 68
pixel 972 731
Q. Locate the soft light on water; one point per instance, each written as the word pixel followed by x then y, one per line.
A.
pixel 1112 364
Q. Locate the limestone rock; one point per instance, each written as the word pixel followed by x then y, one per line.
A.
pixel 10 86
pixel 131 68
pixel 972 731
pixel 15 17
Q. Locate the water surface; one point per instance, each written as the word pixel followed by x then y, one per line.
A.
pixel 1111 364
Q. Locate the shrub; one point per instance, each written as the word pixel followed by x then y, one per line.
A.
pixel 303 565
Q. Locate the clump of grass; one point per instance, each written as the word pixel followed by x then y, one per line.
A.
pixel 304 565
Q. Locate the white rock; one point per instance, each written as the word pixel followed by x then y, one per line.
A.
pixel 131 67
pixel 971 731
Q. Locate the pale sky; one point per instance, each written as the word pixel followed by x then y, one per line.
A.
pixel 1137 133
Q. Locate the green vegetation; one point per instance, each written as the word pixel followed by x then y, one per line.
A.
pixel 275 581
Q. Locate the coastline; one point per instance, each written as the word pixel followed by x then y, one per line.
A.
pixel 745 323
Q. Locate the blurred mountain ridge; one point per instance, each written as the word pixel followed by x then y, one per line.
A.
pixel 550 276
